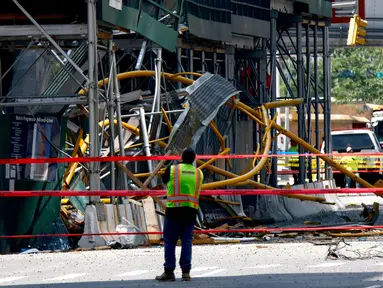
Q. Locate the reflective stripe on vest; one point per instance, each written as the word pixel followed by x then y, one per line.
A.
pixel 177 180
pixel 198 180
pixel 182 198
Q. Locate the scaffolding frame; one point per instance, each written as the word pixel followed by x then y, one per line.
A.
pixel 266 60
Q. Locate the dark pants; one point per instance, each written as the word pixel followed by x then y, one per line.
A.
pixel 296 180
pixel 349 182
pixel 173 230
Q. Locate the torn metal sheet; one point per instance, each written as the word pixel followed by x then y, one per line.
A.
pixel 206 96
pixel 208 93
pixel 186 126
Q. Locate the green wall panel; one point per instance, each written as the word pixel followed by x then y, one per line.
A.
pixel 146 25
pixel 30 215
pixel 319 7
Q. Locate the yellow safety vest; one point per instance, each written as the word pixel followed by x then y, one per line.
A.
pixel 350 162
pixel 184 186
pixel 293 160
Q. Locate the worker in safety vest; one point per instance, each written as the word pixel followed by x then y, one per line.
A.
pixel 294 160
pixel 351 164
pixel 184 183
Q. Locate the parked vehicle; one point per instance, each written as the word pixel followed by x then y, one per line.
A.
pixel 377 124
pixel 362 142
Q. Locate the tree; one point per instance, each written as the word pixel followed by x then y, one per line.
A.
pixel 353 75
pixel 290 72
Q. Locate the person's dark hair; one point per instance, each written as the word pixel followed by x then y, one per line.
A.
pixel 188 156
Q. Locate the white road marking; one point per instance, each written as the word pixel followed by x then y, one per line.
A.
pixel 67 277
pixel 11 279
pixel 378 264
pixel 211 273
pixel 133 273
pixel 198 269
pixel 374 286
pixel 374 279
pixel 325 265
pixel 264 266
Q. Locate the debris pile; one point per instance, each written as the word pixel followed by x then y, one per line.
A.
pixel 139 215
pixel 203 125
pixel 72 217
pixel 341 250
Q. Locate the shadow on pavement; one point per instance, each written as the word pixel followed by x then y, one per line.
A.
pixel 319 280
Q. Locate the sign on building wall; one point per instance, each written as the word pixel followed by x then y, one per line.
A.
pixel 34 138
pixel 116 4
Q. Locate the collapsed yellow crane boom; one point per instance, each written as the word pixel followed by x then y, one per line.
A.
pixel 256 116
pixel 255 170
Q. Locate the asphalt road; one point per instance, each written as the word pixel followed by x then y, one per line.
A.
pixel 251 265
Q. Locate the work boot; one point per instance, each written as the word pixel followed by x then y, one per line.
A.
pixel 167 276
pixel 186 276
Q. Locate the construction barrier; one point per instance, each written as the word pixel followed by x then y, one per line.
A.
pixel 322 171
pixel 21 161
pixel 217 192
pixel 123 209
pixel 107 228
pixel 210 231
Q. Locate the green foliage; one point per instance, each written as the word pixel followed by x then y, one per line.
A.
pixel 292 77
pixel 353 76
pixel 361 85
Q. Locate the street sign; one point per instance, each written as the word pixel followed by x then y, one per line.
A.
pixel 379 74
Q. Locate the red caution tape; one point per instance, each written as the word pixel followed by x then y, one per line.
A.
pixel 218 192
pixel 290 172
pixel 159 158
pixel 215 231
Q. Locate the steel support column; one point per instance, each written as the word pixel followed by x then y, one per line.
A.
pixel 179 65
pixel 317 131
pixel 308 98
pixel 191 62
pixel 111 105
pixel 262 72
pixel 156 106
pixel 94 177
pixel 301 114
pixel 119 120
pixel 203 62
pixel 230 76
pixel 215 69
pixel 145 137
pixel 327 97
pixel 273 90
pixel 229 63
pixel 1 77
